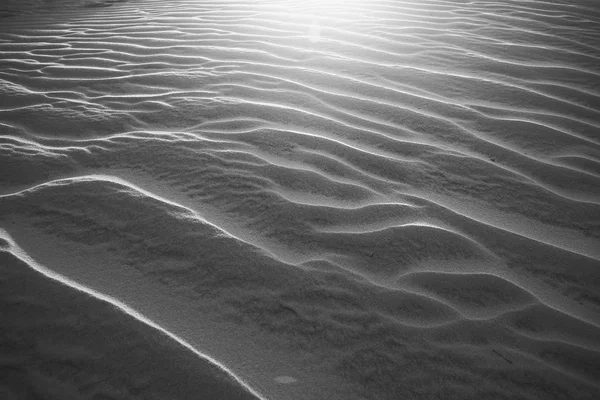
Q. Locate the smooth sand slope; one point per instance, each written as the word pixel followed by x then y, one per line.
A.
pixel 330 200
pixel 58 343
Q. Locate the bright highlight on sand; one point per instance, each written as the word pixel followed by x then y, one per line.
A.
pixel 341 200
pixel 13 248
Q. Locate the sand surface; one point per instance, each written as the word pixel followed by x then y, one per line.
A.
pixel 299 199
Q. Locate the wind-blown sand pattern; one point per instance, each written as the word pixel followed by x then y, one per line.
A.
pixel 300 199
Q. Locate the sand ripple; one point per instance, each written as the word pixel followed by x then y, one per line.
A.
pixel 367 199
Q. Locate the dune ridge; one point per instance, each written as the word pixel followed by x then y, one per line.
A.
pixel 227 383
pixel 353 200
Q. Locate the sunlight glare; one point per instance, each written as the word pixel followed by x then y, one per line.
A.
pixel 314 18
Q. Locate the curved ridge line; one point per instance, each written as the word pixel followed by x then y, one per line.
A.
pixel 497 224
pixel 122 182
pixel 415 223
pixel 18 252
pixel 542 339
pixel 538 300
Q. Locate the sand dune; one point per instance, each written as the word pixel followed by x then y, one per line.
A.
pixel 300 199
pixel 58 343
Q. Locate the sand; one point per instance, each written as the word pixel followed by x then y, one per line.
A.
pixel 61 343
pixel 300 199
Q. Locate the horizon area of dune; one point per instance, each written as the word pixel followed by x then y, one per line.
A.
pixel 299 200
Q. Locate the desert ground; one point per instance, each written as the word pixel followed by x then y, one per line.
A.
pixel 300 200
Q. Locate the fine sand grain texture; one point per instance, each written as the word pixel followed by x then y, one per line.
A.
pixel 303 200
pixel 59 343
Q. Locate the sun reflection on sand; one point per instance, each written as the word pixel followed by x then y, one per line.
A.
pixel 315 19
pixel 336 200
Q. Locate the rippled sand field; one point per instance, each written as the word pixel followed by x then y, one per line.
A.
pixel 300 199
